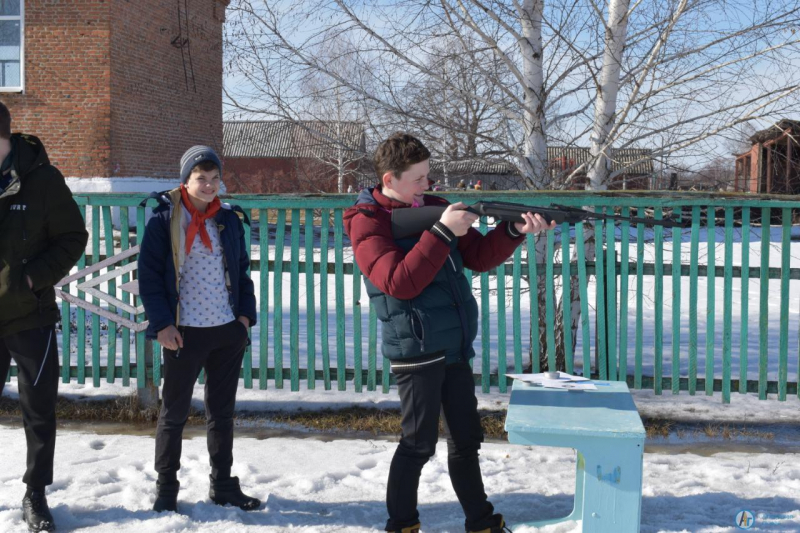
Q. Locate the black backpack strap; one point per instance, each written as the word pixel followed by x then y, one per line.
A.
pixel 241 212
pixel 158 195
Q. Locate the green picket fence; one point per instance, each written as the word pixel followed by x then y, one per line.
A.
pixel 318 218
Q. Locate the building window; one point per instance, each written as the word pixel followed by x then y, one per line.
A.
pixel 11 45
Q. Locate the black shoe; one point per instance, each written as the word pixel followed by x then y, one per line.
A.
pixel 409 529
pixel 228 492
pixel 167 496
pixel 37 513
pixel 498 527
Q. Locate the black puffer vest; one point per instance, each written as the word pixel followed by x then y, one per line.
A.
pixel 442 319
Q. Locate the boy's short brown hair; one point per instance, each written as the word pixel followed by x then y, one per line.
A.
pixel 397 153
pixel 5 122
pixel 204 166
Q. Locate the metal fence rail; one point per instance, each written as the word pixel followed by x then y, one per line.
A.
pixel 318 219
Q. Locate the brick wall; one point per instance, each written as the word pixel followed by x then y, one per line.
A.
pixel 67 100
pixel 105 89
pixel 164 97
pixel 751 184
pixel 257 175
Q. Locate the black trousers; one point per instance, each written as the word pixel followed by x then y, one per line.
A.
pixel 218 350
pixel 426 392
pixel 36 353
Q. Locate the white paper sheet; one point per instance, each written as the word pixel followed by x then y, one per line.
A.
pixel 564 381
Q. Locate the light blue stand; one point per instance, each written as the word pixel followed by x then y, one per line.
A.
pixel 604 427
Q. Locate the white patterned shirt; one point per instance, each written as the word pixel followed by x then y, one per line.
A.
pixel 204 297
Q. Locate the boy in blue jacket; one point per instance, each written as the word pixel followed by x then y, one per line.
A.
pixel 200 303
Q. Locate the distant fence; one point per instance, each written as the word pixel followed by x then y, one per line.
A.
pixel 335 353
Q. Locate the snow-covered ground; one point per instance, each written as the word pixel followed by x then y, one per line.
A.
pixel 106 483
pixel 105 480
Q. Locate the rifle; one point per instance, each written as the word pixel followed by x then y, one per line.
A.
pixel 411 221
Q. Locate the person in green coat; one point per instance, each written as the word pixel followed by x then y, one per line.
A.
pixel 42 236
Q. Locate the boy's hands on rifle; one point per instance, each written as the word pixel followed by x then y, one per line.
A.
pixel 457 220
pixel 170 338
pixel 533 223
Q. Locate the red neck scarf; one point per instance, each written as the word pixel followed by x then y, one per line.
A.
pixel 198 223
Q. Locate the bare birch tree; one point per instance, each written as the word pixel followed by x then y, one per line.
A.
pixel 670 75
pixel 619 74
pixel 322 110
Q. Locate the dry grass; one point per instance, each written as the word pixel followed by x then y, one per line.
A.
pixel 363 420
pixel 349 420
pixel 123 409
pixel 728 432
pixel 661 428
pixel 657 427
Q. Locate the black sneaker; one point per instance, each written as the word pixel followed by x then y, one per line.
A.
pixel 37 513
pixel 167 496
pixel 228 492
pixel 409 529
pixel 499 527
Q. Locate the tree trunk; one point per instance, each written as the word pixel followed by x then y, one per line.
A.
pixel 604 116
pixel 575 307
pixel 534 161
pixel 606 100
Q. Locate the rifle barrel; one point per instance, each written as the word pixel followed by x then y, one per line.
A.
pixel 406 222
pixel 666 222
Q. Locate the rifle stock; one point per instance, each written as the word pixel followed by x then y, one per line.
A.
pixel 412 221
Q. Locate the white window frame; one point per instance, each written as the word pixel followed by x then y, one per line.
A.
pixel 21 19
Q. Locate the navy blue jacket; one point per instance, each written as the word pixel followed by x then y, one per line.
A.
pixel 158 283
